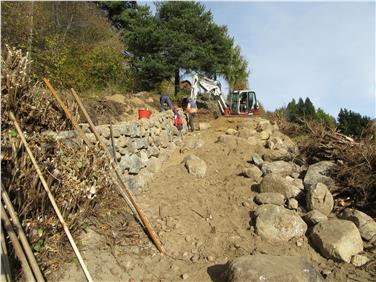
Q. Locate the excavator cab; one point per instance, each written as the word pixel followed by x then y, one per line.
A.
pixel 244 102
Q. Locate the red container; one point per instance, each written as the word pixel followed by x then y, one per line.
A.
pixel 227 111
pixel 144 113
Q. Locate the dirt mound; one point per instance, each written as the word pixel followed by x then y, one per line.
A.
pixel 202 222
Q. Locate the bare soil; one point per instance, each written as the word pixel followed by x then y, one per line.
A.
pixel 202 223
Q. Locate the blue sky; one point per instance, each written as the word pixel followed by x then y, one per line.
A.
pixel 321 50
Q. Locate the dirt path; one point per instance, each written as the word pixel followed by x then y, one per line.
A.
pixel 202 222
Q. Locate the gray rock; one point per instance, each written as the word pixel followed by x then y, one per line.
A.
pixel 152 151
pixel 136 164
pixel 319 198
pixel 270 198
pixel 257 160
pixel 274 142
pixel 365 223
pixel 103 130
pixel 281 168
pixel 313 217
pixel 337 239
pixel 91 137
pixel 319 172
pixel 275 223
pixel 253 173
pixel 116 131
pixel 359 260
pixel 255 268
pixel 122 142
pixel 195 166
pixel 292 204
pixel 144 157
pixel 154 165
pixel 133 184
pixel 134 129
pixel 277 155
pixel 278 184
pixel 164 139
pixel 125 162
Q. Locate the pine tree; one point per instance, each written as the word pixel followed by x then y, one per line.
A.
pixel 291 110
pixel 309 109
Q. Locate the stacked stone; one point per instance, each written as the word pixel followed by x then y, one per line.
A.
pixel 142 146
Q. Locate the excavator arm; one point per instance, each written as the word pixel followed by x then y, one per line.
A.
pixel 210 86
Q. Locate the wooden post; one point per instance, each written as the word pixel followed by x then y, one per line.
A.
pixel 51 197
pixel 112 142
pixel 25 244
pixel 67 111
pixel 17 246
pixel 6 274
pixel 140 213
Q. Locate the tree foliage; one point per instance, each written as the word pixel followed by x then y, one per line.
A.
pixel 352 123
pixel 71 43
pixel 306 110
pixel 236 72
pixel 180 36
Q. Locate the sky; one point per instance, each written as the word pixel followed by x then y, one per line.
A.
pixel 321 50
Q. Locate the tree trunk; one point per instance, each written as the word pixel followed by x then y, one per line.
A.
pixel 177 82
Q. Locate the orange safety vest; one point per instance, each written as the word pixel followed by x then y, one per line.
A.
pixel 191 109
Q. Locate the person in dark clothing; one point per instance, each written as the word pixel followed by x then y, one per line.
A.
pixel 164 100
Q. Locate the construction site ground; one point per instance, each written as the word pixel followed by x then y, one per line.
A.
pixel 202 222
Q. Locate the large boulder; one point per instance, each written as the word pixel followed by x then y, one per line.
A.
pixel 270 198
pixel 255 268
pixel 278 184
pixel 319 198
pixel 337 239
pixel 279 167
pixel 319 172
pixel 275 223
pixel 195 166
pixel 365 223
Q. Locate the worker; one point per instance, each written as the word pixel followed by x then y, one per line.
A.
pixel 178 121
pixel 191 112
pixel 164 100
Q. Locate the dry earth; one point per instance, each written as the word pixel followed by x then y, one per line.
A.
pixel 202 223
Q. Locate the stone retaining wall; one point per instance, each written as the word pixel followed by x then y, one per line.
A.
pixel 141 146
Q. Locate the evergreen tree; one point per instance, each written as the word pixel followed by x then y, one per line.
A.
pixel 300 109
pixel 181 36
pixel 309 109
pixel 351 123
pixel 291 110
